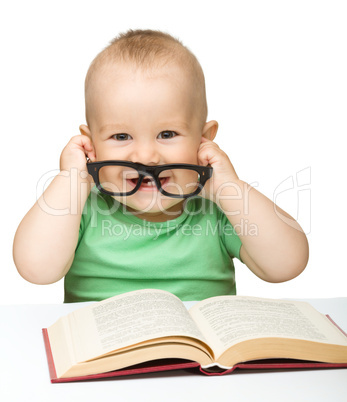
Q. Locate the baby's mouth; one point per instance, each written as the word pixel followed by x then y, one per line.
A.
pixel 147 182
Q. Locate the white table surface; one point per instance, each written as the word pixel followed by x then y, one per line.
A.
pixel 24 372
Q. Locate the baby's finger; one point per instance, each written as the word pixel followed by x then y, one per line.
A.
pixel 90 151
pixel 203 157
pixel 88 147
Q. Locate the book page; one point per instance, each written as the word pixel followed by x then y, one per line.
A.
pixel 227 320
pixel 129 319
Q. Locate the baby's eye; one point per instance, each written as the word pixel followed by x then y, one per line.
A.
pixel 166 135
pixel 122 137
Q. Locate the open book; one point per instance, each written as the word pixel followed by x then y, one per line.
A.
pixel 216 334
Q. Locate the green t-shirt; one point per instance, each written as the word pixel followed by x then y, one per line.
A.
pixel 190 256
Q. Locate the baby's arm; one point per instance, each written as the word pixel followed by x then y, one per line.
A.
pixel 45 241
pixel 277 250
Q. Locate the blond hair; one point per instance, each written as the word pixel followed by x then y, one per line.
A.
pixel 150 49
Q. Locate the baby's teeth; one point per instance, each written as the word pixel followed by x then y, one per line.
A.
pixel 149 183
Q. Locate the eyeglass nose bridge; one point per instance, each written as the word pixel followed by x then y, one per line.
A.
pixel 151 171
pixel 144 170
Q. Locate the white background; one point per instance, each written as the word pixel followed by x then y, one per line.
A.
pixel 276 83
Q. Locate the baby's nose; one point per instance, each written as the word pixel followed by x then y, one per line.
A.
pixel 147 154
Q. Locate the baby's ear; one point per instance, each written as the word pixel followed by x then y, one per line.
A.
pixel 85 131
pixel 210 130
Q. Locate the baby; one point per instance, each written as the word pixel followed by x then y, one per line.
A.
pixel 146 104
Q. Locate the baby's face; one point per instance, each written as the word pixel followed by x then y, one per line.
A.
pixel 152 118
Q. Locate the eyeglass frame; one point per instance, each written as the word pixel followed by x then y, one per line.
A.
pixel 205 173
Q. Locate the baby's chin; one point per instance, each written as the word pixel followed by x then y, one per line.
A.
pixel 160 209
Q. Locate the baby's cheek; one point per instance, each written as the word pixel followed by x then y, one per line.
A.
pixel 188 153
pixel 190 157
pixel 110 153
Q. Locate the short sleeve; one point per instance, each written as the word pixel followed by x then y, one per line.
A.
pixel 82 223
pixel 229 237
pixel 86 215
pixel 96 203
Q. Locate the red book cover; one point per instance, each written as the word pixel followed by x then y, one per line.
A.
pixel 179 364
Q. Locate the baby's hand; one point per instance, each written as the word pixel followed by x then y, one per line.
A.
pixel 224 173
pixel 75 153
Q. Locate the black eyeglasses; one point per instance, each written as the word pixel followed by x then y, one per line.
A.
pixel 122 178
